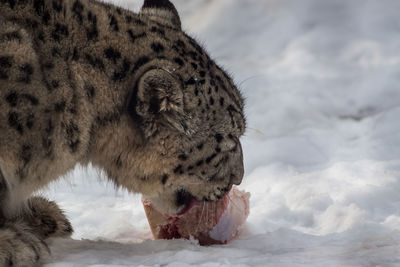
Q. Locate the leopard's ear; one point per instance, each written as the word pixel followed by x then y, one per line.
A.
pixel 162 11
pixel 158 102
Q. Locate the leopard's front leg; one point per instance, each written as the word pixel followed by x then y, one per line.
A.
pixel 27 152
pixel 22 239
pixel 20 246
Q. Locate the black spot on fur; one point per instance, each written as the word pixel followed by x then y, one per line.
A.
pixel 91 17
pixel 123 71
pixel 134 37
pixel 3 189
pixel 164 178
pixel 55 84
pixel 193 55
pixel 32 100
pixel 27 71
pixel 219 138
pixel 31 23
pixel 218 149
pixel 129 18
pixel 114 23
pixel 157 47
pixel 118 161
pixel 111 117
pixel 38 5
pixel 92 32
pixel 74 103
pixel 112 54
pixel 5 62
pixel 194 65
pixel 95 62
pixel 47 145
pixel 46 140
pixel 46 18
pixel 26 154
pixel 182 157
pixel 49 127
pixel 221 101
pixel 231 109
pixel 90 91
pixel 191 81
pixel 179 61
pixel 60 31
pixel 12 5
pixel 55 52
pixel 202 74
pixel 60 106
pixel 178 169
pixel 211 100
pixel 135 21
pixel 210 158
pixel 199 163
pixel 57 5
pixel 14 122
pixel 75 54
pixel 140 62
pixel 72 136
pixel 180 44
pixel 48 65
pixel 3 75
pixel 12 99
pixel 30 120
pixel 40 36
pixel 200 146
pixel 77 9
pixel 158 30
pixel 11 36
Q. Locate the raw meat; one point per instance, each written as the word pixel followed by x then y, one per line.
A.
pixel 208 222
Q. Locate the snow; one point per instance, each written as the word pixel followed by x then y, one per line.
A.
pixel 322 149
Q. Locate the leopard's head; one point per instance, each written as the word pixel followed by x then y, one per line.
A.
pixel 190 116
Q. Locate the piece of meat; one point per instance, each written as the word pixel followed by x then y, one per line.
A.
pixel 208 222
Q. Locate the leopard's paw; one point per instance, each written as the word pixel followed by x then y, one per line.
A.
pixel 46 219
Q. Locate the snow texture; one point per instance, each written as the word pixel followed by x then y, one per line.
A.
pixel 322 149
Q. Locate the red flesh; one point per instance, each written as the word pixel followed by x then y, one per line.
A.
pixel 200 220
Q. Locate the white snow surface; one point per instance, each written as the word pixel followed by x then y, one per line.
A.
pixel 322 149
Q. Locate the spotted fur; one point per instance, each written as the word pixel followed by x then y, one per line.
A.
pixel 84 82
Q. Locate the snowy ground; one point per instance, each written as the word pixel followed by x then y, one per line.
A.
pixel 322 149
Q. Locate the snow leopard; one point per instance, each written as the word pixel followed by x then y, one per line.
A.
pixel 86 82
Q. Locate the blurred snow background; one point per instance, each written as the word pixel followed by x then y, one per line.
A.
pixel 322 149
